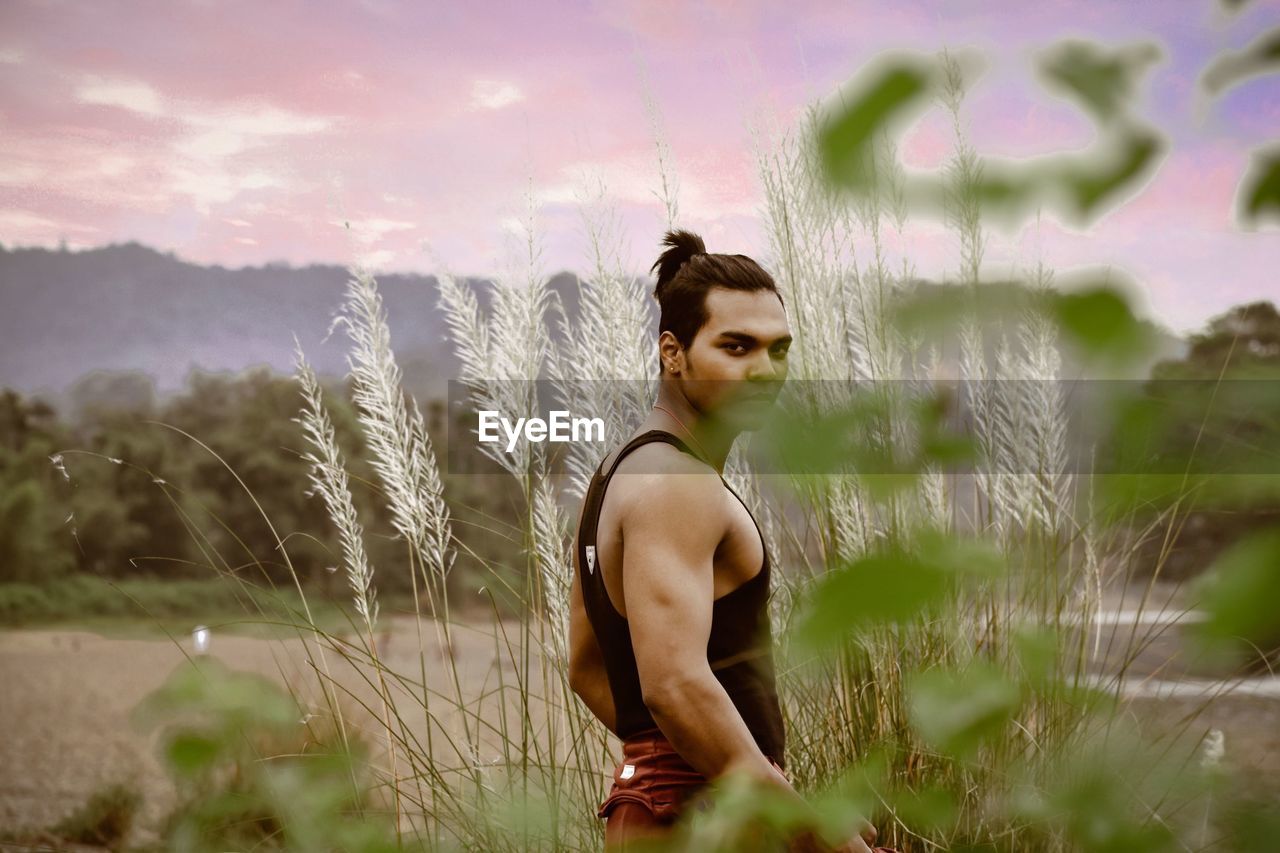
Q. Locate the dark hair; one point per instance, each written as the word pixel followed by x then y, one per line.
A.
pixel 686 272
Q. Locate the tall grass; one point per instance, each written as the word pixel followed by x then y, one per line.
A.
pixel 485 746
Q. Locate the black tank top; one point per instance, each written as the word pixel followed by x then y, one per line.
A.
pixel 740 647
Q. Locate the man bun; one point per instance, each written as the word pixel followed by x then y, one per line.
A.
pixel 684 246
pixel 686 272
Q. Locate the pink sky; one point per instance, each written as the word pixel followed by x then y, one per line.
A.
pixel 243 133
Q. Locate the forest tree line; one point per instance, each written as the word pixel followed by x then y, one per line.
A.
pixel 124 486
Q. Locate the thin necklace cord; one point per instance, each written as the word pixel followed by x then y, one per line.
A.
pixel 706 457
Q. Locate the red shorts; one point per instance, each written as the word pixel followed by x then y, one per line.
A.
pixel 652 786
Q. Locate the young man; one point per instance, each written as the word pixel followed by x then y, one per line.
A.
pixel 670 641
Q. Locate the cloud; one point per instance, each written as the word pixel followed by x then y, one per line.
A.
pixel 11 55
pixel 558 193
pixel 254 120
pixel 494 95
pixel 19 174
pixel 370 231
pixel 260 180
pixel 209 136
pixel 627 177
pixel 131 95
pixel 217 134
pixel 375 259
pixel 715 182
pixel 84 172
pixel 32 227
pixel 245 118
pixel 211 145
pixel 115 165
pixel 207 187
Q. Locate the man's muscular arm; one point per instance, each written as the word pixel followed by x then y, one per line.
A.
pixel 670 536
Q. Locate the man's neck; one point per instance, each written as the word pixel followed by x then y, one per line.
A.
pixel 710 439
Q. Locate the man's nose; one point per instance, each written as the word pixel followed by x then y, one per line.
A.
pixel 764 367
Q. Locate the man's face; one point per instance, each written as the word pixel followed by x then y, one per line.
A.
pixel 737 362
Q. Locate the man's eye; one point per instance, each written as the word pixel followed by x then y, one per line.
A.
pixel 736 347
pixel 779 353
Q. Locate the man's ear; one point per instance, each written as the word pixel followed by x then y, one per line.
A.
pixel 670 353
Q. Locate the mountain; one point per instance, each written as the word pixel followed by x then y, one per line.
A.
pixel 131 308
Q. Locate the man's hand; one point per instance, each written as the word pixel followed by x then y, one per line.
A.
pixel 866 837
pixel 860 843
pixel 808 842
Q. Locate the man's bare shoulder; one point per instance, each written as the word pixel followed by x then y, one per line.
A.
pixel 660 479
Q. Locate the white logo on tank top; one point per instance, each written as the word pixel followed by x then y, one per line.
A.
pixel 591 559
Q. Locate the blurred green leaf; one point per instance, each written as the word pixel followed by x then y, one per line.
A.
pixel 1260 189
pixel 743 814
pixel 850 439
pixel 939 444
pixel 1037 652
pixel 1097 806
pixel 251 777
pixel 1255 826
pixel 964 558
pixel 314 797
pixel 1102 78
pixel 956 711
pixel 924 311
pixel 882 487
pixel 523 809
pixel 845 138
pixel 1230 68
pixel 950 449
pixel 1011 193
pixel 1121 160
pixel 830 441
pixel 205 686
pixel 1137 423
pixel 892 586
pixel 1239 595
pixel 1100 322
pixel 192 753
pixel 883 588
pixel 930 809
